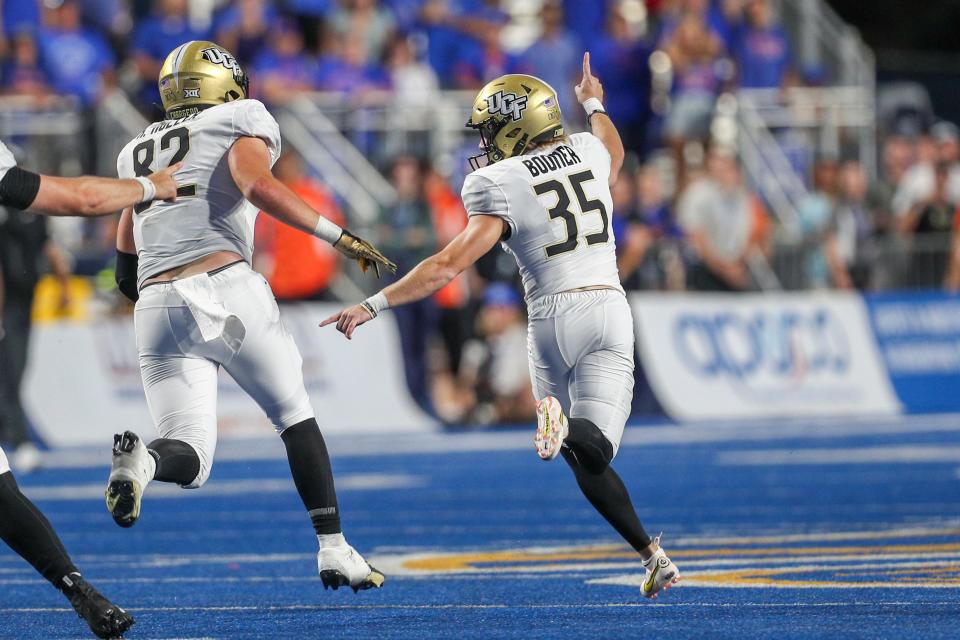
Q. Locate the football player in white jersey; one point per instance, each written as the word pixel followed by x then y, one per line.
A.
pixel 22 525
pixel 200 306
pixel 545 195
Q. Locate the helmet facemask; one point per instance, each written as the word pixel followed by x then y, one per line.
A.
pixel 488 130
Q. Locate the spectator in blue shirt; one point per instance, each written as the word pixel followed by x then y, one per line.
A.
pixel 243 28
pixel 284 68
pixel 711 13
pixel 585 19
pixel 347 70
pixel 405 12
pixel 155 37
pixel 77 61
pixel 481 59
pixel 555 56
pixel 20 16
pixel 761 49
pixel 459 33
pixel 22 74
pixel 620 59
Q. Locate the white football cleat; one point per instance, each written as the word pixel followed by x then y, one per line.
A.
pixel 552 428
pixel 133 468
pixel 342 566
pixel 661 573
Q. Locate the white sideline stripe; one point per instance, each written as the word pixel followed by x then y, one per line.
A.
pixel 906 454
pixel 158 490
pixel 403 444
pixel 576 605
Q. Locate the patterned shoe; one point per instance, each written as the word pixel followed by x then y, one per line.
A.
pixel 661 573
pixel 552 428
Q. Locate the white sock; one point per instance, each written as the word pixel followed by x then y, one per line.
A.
pixel 331 540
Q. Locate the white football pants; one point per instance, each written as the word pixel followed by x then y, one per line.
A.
pixel 581 352
pixel 189 328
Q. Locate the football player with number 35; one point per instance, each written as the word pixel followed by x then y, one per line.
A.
pixel 200 306
pixel 546 196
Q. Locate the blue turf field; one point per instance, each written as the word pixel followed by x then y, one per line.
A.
pixel 787 530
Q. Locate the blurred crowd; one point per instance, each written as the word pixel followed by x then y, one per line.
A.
pixel 685 216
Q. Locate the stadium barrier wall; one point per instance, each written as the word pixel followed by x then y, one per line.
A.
pixel 84 385
pixel 718 356
pixel 919 338
pixel 705 356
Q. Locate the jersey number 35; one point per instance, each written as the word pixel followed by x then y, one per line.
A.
pixel 561 210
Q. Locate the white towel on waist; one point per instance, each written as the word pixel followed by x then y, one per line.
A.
pixel 201 298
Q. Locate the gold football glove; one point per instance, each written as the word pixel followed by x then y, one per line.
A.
pixel 364 253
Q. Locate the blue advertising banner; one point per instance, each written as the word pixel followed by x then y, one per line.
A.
pixel 720 356
pixel 919 338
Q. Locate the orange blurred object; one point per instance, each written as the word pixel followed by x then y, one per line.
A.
pixel 298 265
pixel 449 219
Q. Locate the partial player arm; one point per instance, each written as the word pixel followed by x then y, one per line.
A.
pixel 249 161
pixel 88 195
pixel 127 262
pixel 590 94
pixel 480 235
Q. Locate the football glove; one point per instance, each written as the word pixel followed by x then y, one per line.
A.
pixel 364 253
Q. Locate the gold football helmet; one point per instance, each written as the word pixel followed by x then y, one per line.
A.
pixel 513 112
pixel 200 74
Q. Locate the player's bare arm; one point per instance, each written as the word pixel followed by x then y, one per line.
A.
pixel 590 92
pixel 249 161
pixel 93 196
pixel 480 235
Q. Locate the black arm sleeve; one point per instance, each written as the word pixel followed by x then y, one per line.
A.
pixel 19 188
pixel 126 275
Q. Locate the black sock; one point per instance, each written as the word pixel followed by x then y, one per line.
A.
pixel 608 495
pixel 29 533
pixel 176 460
pixel 593 449
pixel 310 466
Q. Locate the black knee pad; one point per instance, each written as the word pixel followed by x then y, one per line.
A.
pixel 590 448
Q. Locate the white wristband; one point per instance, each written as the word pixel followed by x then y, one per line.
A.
pixel 149 189
pixel 376 304
pixel 328 231
pixel 592 104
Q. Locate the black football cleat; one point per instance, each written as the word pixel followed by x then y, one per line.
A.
pixel 105 619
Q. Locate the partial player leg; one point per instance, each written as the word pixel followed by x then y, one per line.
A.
pixel 270 369
pixel 601 392
pixel 182 397
pixel 594 333
pixel 28 532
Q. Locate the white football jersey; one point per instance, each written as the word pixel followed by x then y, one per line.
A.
pixel 7 161
pixel 210 213
pixel 557 202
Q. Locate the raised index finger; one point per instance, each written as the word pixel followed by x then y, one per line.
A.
pixel 586 64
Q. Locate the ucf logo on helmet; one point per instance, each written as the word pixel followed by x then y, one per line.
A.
pixel 506 104
pixel 224 59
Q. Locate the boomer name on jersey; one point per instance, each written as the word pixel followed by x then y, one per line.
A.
pixel 562 156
